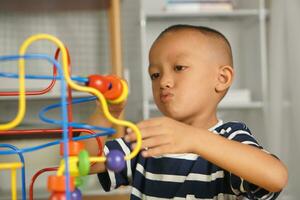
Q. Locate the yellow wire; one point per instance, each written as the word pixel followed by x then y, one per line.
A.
pixel 22 103
pixel 13 184
pixel 96 159
pixel 61 169
pixel 81 88
pixel 13 167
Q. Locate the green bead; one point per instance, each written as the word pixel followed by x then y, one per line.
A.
pixel 84 163
pixel 78 181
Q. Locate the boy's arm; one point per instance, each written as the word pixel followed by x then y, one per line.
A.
pixel 245 161
pixel 98 119
pixel 165 135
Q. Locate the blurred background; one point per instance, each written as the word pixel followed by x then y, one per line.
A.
pixel 264 35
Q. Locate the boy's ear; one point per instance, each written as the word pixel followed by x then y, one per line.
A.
pixel 225 78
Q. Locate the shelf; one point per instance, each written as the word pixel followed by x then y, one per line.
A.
pixel 241 105
pixel 211 14
pixel 48 96
pixel 54 5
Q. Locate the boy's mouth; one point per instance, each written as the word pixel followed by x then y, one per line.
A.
pixel 165 97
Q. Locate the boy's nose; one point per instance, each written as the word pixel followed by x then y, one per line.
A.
pixel 166 82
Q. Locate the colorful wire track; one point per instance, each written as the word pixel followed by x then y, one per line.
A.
pixel 68 127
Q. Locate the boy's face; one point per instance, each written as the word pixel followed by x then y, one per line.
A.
pixel 183 75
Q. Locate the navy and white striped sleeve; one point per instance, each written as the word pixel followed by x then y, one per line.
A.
pixel 111 180
pixel 239 132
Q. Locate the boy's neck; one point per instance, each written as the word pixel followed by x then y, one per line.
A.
pixel 205 121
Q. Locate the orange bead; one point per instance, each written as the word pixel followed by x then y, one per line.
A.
pixel 74 148
pixel 98 82
pixel 115 89
pixel 58 183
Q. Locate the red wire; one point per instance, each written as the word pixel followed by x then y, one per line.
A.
pixel 34 177
pixel 40 92
pixel 70 105
pixel 38 131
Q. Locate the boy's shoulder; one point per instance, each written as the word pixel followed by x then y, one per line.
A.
pixel 232 127
pixel 237 131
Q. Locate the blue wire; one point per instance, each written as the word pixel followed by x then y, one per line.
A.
pixel 56 142
pixel 63 105
pixel 64 113
pixel 16 150
pixel 53 106
pixel 29 76
pixel 72 124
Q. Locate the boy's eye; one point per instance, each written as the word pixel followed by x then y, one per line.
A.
pixel 179 68
pixel 154 76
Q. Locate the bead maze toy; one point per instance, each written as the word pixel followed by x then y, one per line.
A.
pixel 75 161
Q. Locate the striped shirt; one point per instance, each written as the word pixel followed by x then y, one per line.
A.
pixel 184 176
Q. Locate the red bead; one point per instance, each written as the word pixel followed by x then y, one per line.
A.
pixel 75 195
pixel 98 82
pixel 58 196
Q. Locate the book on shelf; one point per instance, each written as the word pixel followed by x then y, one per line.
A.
pixel 198 5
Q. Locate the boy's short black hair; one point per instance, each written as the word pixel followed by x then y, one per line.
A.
pixel 203 29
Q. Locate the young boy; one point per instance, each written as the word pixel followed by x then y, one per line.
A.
pixel 189 153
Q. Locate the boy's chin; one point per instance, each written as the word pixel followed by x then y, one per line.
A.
pixel 174 115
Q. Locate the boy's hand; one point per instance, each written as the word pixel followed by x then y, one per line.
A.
pixel 162 136
pixel 98 118
pixel 114 109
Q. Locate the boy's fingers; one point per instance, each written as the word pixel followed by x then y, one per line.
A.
pixel 146 132
pixel 155 141
pixel 152 142
pixel 129 135
pixel 152 131
pixel 150 122
pixel 156 151
pixel 148 128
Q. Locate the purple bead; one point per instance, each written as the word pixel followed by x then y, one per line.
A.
pixel 115 160
pixel 76 195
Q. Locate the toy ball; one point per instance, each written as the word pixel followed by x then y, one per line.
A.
pixel 76 194
pixel 115 160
